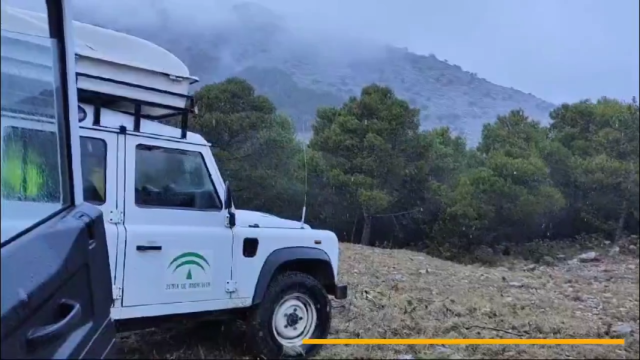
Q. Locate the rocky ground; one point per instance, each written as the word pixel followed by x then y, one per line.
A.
pixel 404 294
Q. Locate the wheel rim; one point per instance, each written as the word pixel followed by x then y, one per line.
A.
pixel 294 320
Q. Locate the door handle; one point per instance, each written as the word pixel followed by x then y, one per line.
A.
pixel 71 313
pixel 148 247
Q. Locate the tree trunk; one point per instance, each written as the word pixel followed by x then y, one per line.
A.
pixel 625 210
pixel 366 230
pixel 620 227
pixel 353 228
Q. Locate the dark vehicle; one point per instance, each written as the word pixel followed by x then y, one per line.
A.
pixel 56 283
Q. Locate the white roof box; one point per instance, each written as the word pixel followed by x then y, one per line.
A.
pixel 121 68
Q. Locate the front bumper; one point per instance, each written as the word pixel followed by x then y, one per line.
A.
pixel 341 292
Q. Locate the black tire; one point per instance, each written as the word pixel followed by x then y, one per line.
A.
pixel 260 328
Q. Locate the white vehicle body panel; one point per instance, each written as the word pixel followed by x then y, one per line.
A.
pixel 247 270
pixel 177 231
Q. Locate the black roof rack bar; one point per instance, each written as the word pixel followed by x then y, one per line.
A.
pixel 136 117
pixel 102 96
pixel 152 117
pixel 185 120
pixel 98 100
pixel 125 83
pixel 165 116
pixel 96 115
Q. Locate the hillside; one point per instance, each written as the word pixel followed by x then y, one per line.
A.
pixel 300 72
pixel 404 294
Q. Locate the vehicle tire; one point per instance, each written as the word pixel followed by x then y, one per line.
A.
pixel 295 307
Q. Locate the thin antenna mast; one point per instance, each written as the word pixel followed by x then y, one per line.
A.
pixel 306 176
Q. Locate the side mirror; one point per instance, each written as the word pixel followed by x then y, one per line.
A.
pixel 228 205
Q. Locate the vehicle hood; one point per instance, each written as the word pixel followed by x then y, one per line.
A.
pixel 247 218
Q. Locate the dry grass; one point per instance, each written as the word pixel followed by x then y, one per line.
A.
pixel 403 294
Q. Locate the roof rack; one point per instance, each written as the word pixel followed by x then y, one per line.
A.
pixel 116 70
pixel 137 108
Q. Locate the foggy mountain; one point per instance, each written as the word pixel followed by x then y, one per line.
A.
pixel 301 71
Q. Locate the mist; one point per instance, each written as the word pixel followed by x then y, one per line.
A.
pixel 558 50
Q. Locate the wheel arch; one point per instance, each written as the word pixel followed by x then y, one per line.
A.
pixel 312 261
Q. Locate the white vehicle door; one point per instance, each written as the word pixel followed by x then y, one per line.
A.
pixel 99 158
pixel 178 248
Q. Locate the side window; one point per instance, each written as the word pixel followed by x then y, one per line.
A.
pixel 173 178
pixel 93 155
pixel 30 165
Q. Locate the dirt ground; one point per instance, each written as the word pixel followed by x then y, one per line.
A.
pixel 404 294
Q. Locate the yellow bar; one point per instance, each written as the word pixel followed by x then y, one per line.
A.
pixel 464 341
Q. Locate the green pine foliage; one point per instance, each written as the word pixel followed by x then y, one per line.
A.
pixel 373 177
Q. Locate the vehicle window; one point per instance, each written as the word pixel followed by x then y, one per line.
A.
pixel 93 156
pixel 173 178
pixel 30 170
pixel 34 167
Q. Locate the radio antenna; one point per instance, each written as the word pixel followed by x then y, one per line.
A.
pixel 306 175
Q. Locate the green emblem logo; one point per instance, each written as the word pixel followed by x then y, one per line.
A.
pixel 189 259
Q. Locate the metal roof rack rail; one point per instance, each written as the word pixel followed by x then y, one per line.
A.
pixel 138 106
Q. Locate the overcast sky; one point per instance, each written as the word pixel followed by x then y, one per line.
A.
pixel 559 50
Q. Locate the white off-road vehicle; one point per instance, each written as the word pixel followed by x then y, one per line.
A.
pixel 178 247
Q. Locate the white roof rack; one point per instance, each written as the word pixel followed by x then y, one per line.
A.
pixel 99 43
pixel 114 70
